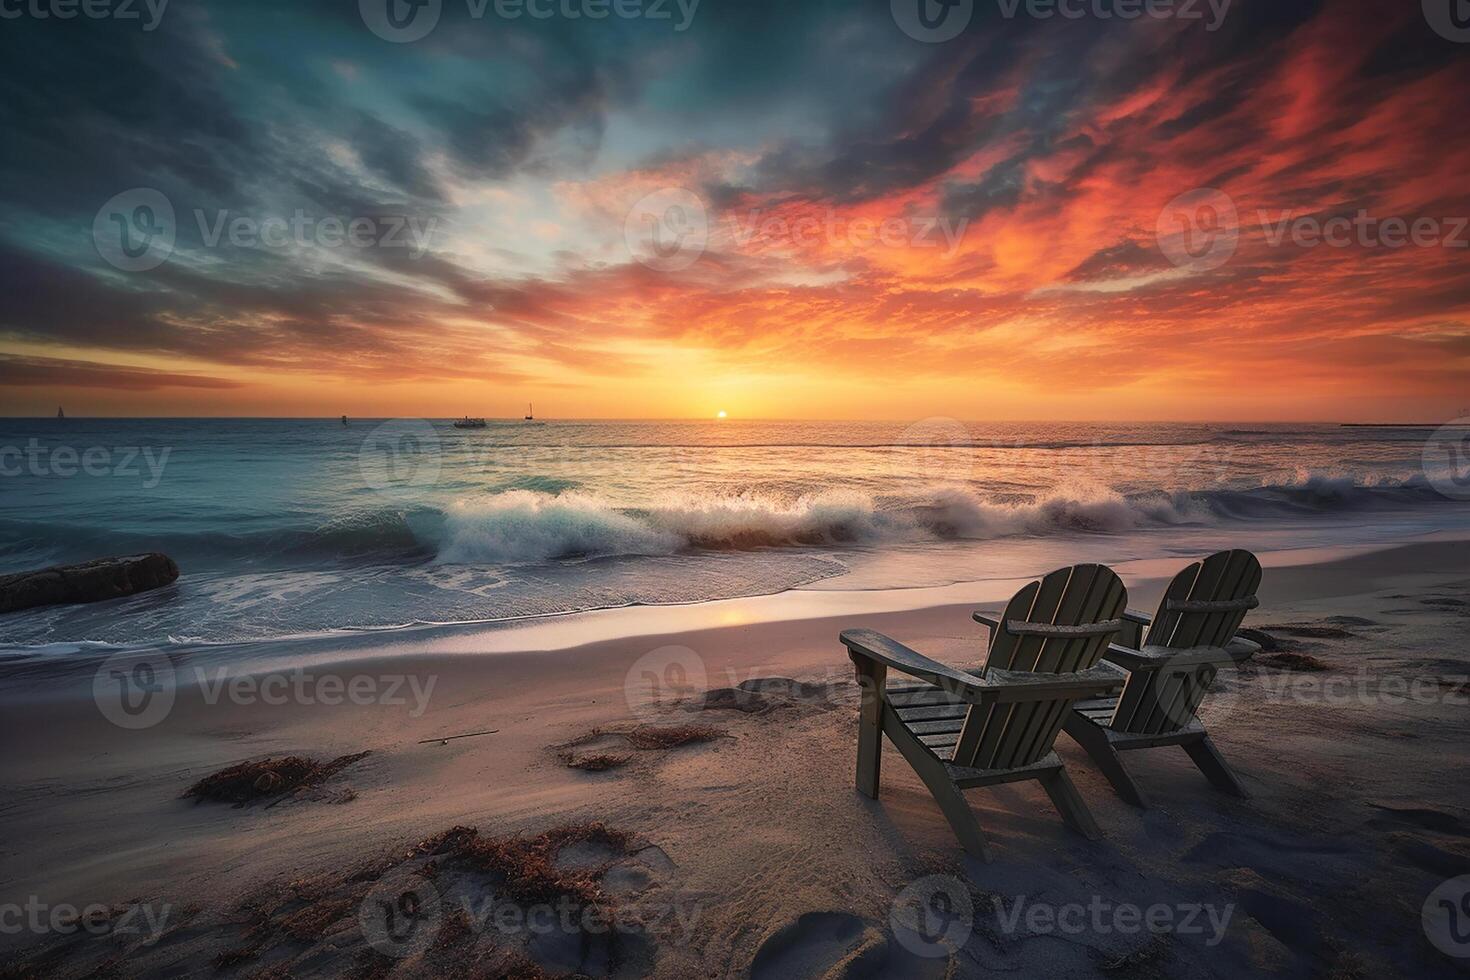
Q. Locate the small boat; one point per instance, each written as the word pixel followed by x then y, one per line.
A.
pixel 59 413
pixel 469 423
pixel 344 420
pixel 529 417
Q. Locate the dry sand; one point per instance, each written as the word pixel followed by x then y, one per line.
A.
pixel 751 854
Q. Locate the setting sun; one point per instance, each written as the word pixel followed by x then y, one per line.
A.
pixel 720 414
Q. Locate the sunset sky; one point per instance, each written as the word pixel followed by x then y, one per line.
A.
pixel 850 222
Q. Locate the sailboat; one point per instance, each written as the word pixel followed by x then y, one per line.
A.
pixel 529 416
pixel 59 413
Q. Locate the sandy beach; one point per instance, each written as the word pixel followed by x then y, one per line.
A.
pixel 746 851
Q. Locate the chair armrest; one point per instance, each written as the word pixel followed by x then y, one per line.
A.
pixel 990 620
pixel 891 653
pixel 1235 652
pixel 996 686
pixel 1003 686
pixel 1136 616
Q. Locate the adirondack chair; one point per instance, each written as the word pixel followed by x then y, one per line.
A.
pixel 996 725
pixel 1170 667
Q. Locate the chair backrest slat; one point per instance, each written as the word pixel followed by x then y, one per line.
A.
pixel 1003 736
pixel 1203 606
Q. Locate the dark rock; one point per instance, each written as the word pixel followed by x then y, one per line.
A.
pixel 93 581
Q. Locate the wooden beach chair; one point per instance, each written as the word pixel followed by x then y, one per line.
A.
pixel 996 725
pixel 1170 667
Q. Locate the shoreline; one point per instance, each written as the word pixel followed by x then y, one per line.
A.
pixel 560 631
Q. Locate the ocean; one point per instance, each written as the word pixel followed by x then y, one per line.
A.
pixel 294 528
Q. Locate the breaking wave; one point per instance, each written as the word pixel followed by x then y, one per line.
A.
pixel 526 525
pixel 521 526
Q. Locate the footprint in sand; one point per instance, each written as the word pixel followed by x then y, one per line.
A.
pixel 762 694
pixel 1421 818
pixel 839 946
pixel 603 749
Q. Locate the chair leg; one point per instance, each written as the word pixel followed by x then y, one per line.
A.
pixel 1212 764
pixel 934 776
pixel 961 818
pixel 871 677
pixel 1070 805
pixel 1095 741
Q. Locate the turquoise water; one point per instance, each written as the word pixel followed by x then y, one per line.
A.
pixel 293 527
